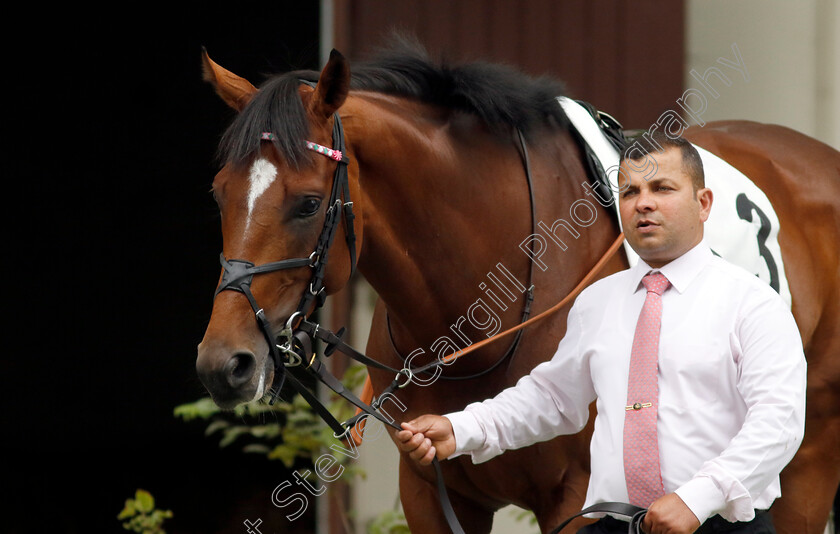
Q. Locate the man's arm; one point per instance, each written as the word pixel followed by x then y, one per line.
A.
pixel 771 381
pixel 553 399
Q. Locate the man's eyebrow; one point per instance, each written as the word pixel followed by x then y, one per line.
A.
pixel 661 179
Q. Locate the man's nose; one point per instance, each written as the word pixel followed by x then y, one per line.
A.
pixel 645 201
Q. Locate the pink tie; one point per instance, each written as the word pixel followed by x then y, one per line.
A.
pixel 641 447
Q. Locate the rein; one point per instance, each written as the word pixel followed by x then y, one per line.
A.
pixel 633 512
pixel 585 281
pixel 529 292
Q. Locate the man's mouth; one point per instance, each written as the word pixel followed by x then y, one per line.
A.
pixel 646 225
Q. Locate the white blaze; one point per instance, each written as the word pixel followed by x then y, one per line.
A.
pixel 261 176
pixel 260 387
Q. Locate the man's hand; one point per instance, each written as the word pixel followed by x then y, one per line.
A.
pixel 426 437
pixel 669 515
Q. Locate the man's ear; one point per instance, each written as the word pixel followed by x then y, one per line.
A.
pixel 705 198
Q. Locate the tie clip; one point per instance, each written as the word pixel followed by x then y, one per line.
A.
pixel 638 406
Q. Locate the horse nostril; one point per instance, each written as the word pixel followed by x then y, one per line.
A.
pixel 239 369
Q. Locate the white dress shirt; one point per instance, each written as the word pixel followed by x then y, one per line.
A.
pixel 731 387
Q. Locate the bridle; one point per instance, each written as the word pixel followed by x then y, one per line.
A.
pixel 293 346
pixel 238 274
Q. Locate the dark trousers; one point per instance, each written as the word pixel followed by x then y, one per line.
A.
pixel 762 524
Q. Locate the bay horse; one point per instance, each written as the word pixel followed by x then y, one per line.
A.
pixel 442 202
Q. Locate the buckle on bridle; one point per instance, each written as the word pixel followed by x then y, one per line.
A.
pixel 344 434
pixel 287 346
pixel 313 292
pixel 314 258
pixel 408 376
pixel 333 207
pixel 294 358
pixel 288 330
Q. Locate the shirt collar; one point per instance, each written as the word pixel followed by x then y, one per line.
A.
pixel 680 272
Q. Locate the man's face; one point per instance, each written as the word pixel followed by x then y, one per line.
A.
pixel 661 214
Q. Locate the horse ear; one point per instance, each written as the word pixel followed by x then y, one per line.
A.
pixel 332 88
pixel 234 90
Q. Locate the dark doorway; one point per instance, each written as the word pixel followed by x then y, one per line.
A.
pixel 110 257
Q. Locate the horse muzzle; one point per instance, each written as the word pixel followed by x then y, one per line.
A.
pixel 233 377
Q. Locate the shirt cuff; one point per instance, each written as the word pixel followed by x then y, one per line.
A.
pixel 468 433
pixel 702 497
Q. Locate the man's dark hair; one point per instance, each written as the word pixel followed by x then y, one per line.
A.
pixel 658 141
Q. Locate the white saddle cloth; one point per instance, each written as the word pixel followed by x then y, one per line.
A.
pixel 742 228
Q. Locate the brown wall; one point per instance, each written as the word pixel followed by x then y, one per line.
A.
pixel 624 56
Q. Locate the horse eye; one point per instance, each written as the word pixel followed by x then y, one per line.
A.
pixel 309 207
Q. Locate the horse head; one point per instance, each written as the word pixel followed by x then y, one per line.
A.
pixel 280 212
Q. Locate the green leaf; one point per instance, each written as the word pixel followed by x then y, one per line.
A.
pixel 232 433
pixel 128 511
pixel 215 426
pixel 285 454
pixel 144 501
pixel 300 417
pixel 258 448
pixel 265 431
pixel 201 409
pixel 389 522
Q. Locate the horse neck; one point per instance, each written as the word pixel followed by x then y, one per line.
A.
pixel 445 204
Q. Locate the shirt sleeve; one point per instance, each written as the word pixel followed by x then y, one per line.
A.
pixel 771 380
pixel 552 400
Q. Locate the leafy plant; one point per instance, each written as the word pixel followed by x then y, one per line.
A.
pixel 389 522
pixel 288 431
pixel 526 515
pixel 285 431
pixel 142 516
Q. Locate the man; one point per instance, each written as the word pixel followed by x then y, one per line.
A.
pixel 699 381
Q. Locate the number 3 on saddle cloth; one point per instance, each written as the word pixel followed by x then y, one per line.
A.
pixel 742 228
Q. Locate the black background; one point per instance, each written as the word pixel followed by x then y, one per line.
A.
pixel 110 259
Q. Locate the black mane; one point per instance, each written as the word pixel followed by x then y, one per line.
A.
pixel 504 98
